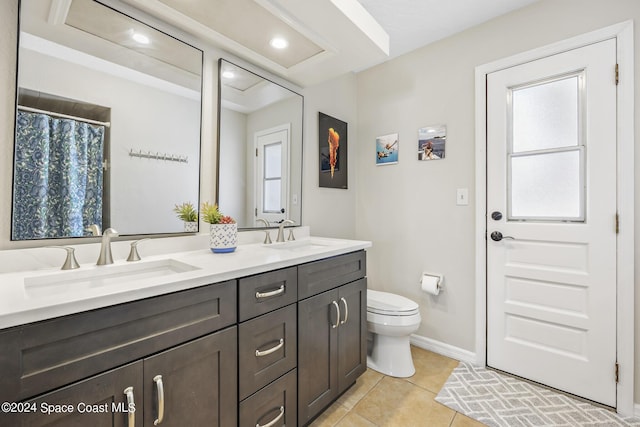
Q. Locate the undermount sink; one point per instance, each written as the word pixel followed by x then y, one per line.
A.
pixel 76 280
pixel 296 245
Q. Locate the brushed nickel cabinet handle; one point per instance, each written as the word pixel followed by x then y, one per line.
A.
pixel 337 315
pixel 160 388
pixel 271 350
pixel 274 421
pixel 268 294
pixel 346 311
pixel 130 404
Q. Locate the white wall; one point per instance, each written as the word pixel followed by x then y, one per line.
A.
pixel 409 210
pixel 330 212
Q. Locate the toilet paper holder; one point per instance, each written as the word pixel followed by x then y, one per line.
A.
pixel 439 280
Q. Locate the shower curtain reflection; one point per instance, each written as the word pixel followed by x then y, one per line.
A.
pixel 57 177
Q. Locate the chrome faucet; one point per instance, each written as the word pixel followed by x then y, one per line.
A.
pixel 267 237
pixel 94 229
pixel 105 247
pixel 281 230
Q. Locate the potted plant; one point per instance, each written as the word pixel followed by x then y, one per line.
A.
pixel 223 229
pixel 189 215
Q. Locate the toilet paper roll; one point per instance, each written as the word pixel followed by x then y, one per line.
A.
pixel 430 284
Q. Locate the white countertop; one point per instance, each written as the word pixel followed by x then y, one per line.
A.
pixel 25 299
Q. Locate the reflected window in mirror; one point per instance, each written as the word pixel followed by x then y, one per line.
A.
pixel 107 123
pixel 260 148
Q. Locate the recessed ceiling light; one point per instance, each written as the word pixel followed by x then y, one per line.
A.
pixel 141 38
pixel 278 43
pixel 228 74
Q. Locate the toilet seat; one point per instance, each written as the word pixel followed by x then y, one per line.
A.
pixel 388 304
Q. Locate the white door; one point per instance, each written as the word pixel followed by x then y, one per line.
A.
pixel 551 221
pixel 272 174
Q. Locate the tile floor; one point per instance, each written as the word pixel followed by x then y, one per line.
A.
pixel 383 401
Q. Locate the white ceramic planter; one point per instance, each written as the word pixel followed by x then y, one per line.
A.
pixel 223 237
pixel 191 226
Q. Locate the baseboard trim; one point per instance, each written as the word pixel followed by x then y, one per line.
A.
pixel 446 350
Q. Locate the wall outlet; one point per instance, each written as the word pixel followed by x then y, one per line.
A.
pixel 462 196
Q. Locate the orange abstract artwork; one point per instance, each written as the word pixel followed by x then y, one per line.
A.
pixel 334 143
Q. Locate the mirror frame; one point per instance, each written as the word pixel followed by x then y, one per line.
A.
pixel 166 30
pixel 270 80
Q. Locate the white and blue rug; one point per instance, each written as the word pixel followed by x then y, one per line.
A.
pixel 500 400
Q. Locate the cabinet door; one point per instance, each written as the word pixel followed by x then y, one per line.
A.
pixel 198 384
pixel 352 333
pixel 99 401
pixel 317 354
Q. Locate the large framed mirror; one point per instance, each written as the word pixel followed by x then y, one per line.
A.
pixel 259 148
pixel 108 123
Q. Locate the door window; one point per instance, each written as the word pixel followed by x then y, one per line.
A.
pixel 546 150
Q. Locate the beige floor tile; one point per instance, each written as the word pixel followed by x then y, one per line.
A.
pixel 363 385
pixel 331 416
pixel 432 369
pixel 463 421
pixel 396 402
pixel 354 420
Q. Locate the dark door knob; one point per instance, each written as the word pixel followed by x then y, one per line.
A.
pixel 496 216
pixel 496 236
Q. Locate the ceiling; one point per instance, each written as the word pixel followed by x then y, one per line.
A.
pixel 326 38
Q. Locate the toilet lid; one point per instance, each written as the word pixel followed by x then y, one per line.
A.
pixel 387 303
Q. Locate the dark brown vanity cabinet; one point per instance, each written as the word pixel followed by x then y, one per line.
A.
pixel 172 357
pixel 332 327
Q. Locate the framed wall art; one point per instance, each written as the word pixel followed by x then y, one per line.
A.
pixel 332 145
pixel 387 149
pixel 431 142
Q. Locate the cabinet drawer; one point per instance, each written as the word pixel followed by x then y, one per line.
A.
pixel 276 401
pixel 267 348
pixel 320 276
pixel 266 292
pixel 41 356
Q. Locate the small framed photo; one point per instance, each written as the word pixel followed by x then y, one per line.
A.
pixel 387 149
pixel 431 142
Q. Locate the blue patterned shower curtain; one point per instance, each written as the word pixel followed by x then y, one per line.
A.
pixel 57 186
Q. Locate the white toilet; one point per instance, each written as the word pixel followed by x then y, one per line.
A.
pixel 391 318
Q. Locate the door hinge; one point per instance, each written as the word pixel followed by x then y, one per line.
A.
pixel 256 152
pixel 617 74
pixel 105 165
pixel 617 372
pixel 617 223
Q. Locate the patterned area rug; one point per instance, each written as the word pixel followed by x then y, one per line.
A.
pixel 500 400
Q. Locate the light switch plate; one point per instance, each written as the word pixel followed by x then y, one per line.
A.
pixel 462 196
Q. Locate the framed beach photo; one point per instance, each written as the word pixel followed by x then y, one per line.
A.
pixel 387 149
pixel 431 142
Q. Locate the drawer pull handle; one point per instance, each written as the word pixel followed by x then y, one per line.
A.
pixel 130 406
pixel 271 350
pixel 335 325
pixel 274 421
pixel 160 388
pixel 268 294
pixel 346 311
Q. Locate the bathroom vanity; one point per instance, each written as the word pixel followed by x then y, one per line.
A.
pixel 266 336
